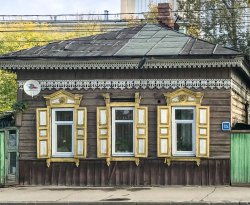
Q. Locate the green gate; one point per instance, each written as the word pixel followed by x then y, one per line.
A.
pixel 2 158
pixel 8 156
pixel 240 157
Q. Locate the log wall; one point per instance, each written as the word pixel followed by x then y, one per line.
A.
pixel 151 171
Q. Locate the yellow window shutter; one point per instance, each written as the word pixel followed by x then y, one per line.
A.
pixel 103 132
pixel 141 131
pixel 202 131
pixel 164 131
pixel 43 133
pixel 80 137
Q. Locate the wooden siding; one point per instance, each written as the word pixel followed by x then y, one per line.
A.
pixel 148 173
pixel 167 73
pixel 239 98
pixel 218 100
pixel 239 114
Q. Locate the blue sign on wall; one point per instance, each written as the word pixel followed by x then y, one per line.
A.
pixel 226 126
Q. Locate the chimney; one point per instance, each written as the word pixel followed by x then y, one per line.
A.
pixel 165 15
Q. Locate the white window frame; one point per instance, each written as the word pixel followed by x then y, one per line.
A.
pixel 121 154
pixel 54 133
pixel 174 132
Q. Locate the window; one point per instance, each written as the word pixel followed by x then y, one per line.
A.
pixel 183 127
pixel 62 132
pixel 122 131
pixel 183 131
pixel 62 128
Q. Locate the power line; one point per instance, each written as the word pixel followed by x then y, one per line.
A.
pixel 80 17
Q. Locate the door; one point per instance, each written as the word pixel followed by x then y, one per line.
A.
pixel 11 157
pixel 2 158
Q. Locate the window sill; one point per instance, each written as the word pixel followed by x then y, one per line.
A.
pixel 74 160
pixel 185 159
pixel 135 159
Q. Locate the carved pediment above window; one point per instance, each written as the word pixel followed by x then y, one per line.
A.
pixel 63 98
pixel 183 96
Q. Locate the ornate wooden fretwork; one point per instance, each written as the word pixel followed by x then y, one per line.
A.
pixel 125 64
pixel 61 99
pixel 133 84
pixel 183 98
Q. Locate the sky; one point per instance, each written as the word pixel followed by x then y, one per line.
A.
pixel 48 7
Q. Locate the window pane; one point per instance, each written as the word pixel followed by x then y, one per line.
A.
pixel 184 137
pixel 12 168
pixel 184 114
pixel 124 114
pixel 64 138
pixel 12 140
pixel 124 137
pixel 64 115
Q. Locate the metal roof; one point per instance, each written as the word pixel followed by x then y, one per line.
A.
pixel 144 40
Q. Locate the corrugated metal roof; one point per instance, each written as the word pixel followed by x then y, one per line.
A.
pixel 144 40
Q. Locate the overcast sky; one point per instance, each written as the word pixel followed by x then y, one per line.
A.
pixel 47 7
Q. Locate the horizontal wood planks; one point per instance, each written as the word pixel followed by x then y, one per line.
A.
pixel 150 172
pixel 218 100
pixel 239 114
pixel 159 73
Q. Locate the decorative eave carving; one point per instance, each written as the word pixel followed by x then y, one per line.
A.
pixel 121 64
pixel 122 84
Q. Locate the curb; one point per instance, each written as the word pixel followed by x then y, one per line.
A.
pixel 124 203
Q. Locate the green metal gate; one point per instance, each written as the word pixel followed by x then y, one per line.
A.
pixel 2 158
pixel 240 157
pixel 8 156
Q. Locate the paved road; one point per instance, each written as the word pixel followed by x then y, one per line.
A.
pixel 133 195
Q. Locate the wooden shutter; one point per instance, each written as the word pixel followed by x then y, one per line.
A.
pixel 141 131
pixel 80 137
pixel 202 131
pixel 103 132
pixel 164 131
pixel 43 133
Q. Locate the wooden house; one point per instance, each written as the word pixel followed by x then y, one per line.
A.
pixel 140 106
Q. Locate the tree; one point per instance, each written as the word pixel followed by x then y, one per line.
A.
pixel 218 21
pixel 148 17
pixel 8 90
pixel 152 15
pixel 24 35
pixel 17 36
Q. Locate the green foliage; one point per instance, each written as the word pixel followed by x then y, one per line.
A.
pixel 24 35
pixel 218 21
pixel 149 17
pixel 191 15
pixel 152 15
pixel 17 36
pixel 8 90
pixel 19 106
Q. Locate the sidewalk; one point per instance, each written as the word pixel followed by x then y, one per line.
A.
pixel 134 195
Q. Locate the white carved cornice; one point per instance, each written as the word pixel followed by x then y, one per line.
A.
pixel 133 84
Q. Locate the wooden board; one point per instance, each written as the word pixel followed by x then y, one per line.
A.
pixel 218 100
pixel 150 172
